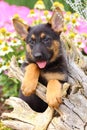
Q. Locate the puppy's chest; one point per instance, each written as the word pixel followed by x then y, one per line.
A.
pixel 52 76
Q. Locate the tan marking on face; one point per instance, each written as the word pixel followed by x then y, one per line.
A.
pixel 33 37
pixel 53 76
pixel 28 49
pixel 55 48
pixel 42 35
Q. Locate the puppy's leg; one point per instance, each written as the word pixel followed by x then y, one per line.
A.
pixel 30 80
pixel 54 93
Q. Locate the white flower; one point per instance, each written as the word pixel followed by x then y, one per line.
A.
pixel 5 50
pixel 39 5
pixel 3 68
pixel 14 34
pixel 21 60
pixel 15 42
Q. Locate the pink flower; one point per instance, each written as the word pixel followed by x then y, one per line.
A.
pixel 85 49
pixel 82 27
pixel 8 11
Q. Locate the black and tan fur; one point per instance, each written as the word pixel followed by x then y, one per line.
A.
pixel 43 44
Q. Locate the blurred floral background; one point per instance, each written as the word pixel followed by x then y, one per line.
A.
pixel 35 12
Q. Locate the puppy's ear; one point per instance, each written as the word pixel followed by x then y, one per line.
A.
pixel 57 20
pixel 20 27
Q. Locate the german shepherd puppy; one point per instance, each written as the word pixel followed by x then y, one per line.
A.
pixel 45 61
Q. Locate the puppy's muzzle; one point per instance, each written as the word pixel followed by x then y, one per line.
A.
pixel 38 56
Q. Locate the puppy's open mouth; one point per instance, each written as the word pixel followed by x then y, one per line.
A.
pixel 41 64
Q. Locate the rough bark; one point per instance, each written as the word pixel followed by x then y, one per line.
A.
pixel 72 113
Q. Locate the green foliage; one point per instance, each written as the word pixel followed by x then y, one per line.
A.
pixel 10 86
pixel 10 45
pixel 28 3
pixel 31 3
pixel 66 6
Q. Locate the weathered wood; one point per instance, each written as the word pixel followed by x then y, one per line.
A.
pixel 24 118
pixel 73 111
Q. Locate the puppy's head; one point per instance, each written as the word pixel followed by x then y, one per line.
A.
pixel 42 41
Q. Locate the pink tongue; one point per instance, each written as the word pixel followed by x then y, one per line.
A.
pixel 42 64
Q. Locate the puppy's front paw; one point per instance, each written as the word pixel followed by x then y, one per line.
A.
pixel 30 80
pixel 54 93
pixel 28 87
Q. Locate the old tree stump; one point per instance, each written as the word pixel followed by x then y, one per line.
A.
pixel 72 113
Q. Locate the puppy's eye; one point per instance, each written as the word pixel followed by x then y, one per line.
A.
pixel 32 41
pixel 46 40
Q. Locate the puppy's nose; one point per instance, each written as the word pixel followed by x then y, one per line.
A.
pixel 38 55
